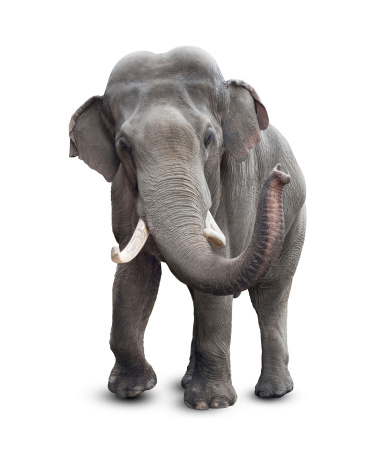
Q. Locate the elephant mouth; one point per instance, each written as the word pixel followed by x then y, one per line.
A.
pixel 212 232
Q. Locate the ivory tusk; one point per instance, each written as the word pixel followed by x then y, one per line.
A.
pixel 134 246
pixel 213 233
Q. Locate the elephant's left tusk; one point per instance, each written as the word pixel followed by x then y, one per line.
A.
pixel 213 233
pixel 134 246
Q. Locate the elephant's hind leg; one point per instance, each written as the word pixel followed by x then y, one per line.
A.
pixel 134 293
pixel 270 303
pixel 210 384
pixel 270 300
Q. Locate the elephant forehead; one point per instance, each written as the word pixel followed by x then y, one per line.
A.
pixel 188 62
pixel 128 100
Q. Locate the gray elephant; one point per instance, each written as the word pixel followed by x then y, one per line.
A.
pixel 198 178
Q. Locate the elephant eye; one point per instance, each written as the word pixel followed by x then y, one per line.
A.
pixel 209 137
pixel 124 145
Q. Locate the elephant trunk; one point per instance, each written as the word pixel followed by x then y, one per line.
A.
pixel 201 268
pixel 177 225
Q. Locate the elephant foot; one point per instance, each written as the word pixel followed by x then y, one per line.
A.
pixel 273 387
pixel 202 395
pixel 128 382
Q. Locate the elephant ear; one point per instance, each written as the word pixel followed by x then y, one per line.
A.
pixel 244 118
pixel 91 140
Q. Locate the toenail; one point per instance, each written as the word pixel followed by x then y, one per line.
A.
pixel 133 393
pixel 121 394
pixel 279 393
pixel 219 404
pixel 200 405
pixel 150 385
pixel 187 403
pixel 263 394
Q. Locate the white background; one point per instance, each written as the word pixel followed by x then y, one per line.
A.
pixel 312 64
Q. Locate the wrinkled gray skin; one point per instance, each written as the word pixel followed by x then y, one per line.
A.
pixel 176 140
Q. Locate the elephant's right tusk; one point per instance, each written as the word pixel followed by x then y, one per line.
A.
pixel 134 246
pixel 213 233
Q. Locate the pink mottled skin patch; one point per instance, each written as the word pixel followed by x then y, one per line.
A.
pixel 274 213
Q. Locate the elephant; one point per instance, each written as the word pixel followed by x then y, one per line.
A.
pixel 202 182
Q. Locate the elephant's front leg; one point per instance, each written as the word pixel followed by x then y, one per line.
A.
pixel 186 379
pixel 211 385
pixel 134 293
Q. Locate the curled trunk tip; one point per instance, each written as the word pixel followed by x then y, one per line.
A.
pixel 282 176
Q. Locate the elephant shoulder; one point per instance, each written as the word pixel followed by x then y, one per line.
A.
pixel 275 149
pixel 274 144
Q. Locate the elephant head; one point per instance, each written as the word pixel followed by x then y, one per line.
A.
pixel 168 119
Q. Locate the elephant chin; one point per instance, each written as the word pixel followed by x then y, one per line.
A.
pixel 212 233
